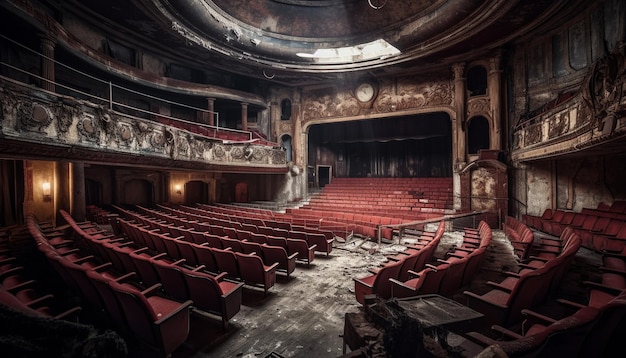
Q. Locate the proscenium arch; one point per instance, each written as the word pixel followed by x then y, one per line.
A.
pixel 399 145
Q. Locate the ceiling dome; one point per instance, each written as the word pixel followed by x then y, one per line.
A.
pixel 275 33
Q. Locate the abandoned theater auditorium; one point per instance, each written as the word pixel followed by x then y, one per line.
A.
pixel 312 178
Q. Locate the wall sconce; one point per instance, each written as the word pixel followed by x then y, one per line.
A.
pixel 45 189
pixel 177 188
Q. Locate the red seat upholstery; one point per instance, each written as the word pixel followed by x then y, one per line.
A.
pixel 254 272
pixel 276 254
pixel 160 322
pixel 377 284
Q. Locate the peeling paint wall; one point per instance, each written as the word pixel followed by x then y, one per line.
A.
pixel 578 183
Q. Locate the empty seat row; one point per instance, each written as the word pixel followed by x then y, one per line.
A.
pixel 398 269
pixel 304 244
pixel 209 293
pixel 446 276
pixel 238 265
pixel 600 229
pixel 161 323
pixel 519 235
pixel 527 288
pixel 587 332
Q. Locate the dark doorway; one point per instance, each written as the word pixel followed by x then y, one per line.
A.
pixel 196 192
pixel 93 192
pixel 477 134
pixel 324 173
pixel 138 192
pixel 241 192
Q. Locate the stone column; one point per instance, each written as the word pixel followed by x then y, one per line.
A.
pixel 244 116
pixel 63 194
pixel 211 108
pixel 494 89
pixel 458 130
pixel 79 208
pixel 459 137
pixel 47 63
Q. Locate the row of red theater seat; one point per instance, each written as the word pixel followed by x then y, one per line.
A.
pixel 219 255
pixel 181 281
pixel 538 279
pixel 321 240
pixel 398 268
pixel 590 329
pixel 519 235
pixel 445 276
pixel 304 221
pixel 599 229
pixel 19 288
pixel 288 240
pixel 260 217
pixel 139 313
pixel 215 260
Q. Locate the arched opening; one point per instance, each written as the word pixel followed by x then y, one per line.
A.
pixel 286 143
pixel 477 81
pixel 477 134
pixel 285 109
pixel 138 192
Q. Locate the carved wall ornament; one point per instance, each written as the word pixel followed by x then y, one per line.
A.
pixel 34 116
pixel 604 86
pixel 256 155
pixel 250 153
pixel 219 152
pixel 88 128
pixel 279 156
pixel 237 153
pixel 157 139
pixel 124 134
pixel 64 115
pixel 558 125
pixel 478 106
pixel 141 129
pixel 183 147
pixel 533 135
pixel 410 95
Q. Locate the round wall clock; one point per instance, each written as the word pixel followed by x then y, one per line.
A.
pixel 365 92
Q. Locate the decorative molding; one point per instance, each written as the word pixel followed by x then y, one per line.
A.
pixel 596 114
pixel 61 127
pixel 403 94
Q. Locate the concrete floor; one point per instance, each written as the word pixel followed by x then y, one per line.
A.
pixel 303 316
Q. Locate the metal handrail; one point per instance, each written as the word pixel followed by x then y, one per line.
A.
pixel 110 101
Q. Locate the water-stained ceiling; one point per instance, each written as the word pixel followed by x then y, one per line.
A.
pixel 265 39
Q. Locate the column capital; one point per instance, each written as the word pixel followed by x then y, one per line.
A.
pixel 459 70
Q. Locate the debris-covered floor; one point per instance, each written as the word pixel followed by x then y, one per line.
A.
pixel 303 315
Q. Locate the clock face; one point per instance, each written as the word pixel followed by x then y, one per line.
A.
pixel 365 92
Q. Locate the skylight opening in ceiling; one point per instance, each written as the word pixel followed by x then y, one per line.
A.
pixel 378 49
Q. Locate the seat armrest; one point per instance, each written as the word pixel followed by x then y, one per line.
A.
pixel 498 286
pixel 219 277
pixel 506 332
pixel 271 267
pixel 612 270
pixel 598 286
pixel 152 290
pixel 358 281
pixel 183 306
pixel 533 317
pixel 570 303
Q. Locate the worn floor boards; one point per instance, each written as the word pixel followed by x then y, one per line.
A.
pixel 303 316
